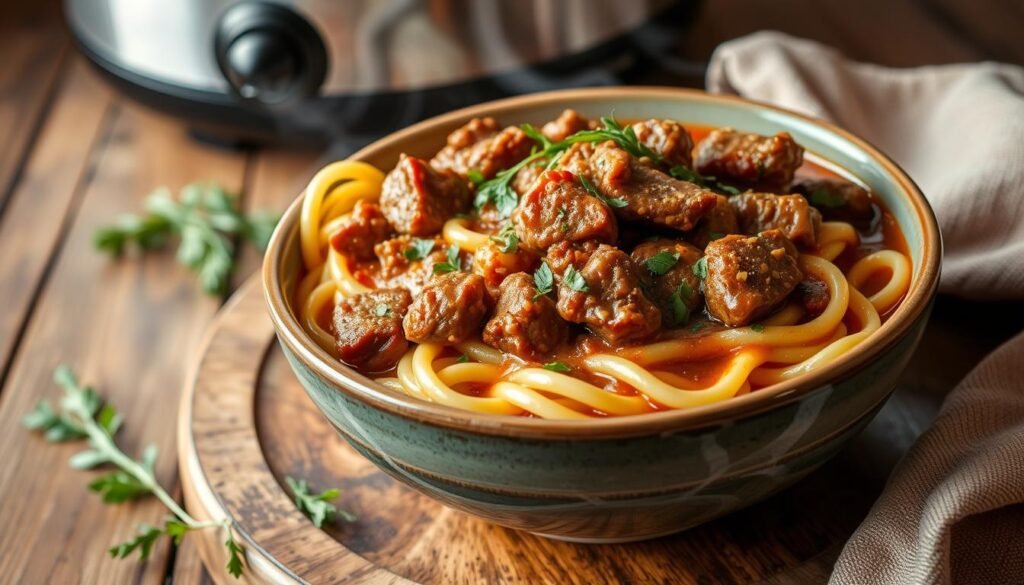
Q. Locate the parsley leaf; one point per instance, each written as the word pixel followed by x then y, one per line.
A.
pixel 452 265
pixel 475 176
pixel 560 367
pixel 543 280
pixel 143 542
pixel 661 262
pixel 685 174
pixel 317 507
pixel 575 280
pixel 679 304
pixel 757 327
pixel 235 555
pixel 543 142
pixel 462 359
pixel 700 268
pixel 507 239
pixel 592 189
pixel 419 248
pixel 827 198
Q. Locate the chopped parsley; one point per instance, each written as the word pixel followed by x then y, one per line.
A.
pixel 462 359
pixel 452 264
pixel 827 199
pixel 661 262
pixel 685 174
pixel 757 327
pixel 507 239
pixel 561 218
pixel 700 268
pixel 575 280
pixel 678 302
pixel 560 367
pixel 381 310
pixel 543 280
pixel 592 189
pixel 475 176
pixel 543 142
pixel 420 248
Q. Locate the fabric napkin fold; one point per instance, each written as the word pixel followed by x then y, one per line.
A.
pixel 953 509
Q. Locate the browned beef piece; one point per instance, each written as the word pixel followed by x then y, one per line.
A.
pixel 368 329
pixel 758 212
pixel 417 199
pixel 567 124
pixel 560 209
pixel 527 177
pixel 650 195
pixel 363 229
pixel 678 280
pixel 525 324
pixel 401 266
pixel 720 221
pixel 813 295
pixel 837 200
pixel 481 145
pixel 750 160
pixel 494 265
pixel 749 276
pixel 449 310
pixel 667 138
pixel 576 160
pixel 612 303
pixel 565 254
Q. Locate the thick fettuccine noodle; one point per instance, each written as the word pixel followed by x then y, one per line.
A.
pixel 632 380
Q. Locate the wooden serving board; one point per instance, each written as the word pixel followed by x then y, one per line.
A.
pixel 245 423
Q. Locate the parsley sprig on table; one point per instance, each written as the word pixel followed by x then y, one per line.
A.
pixel 83 415
pixel 317 507
pixel 205 219
pixel 498 190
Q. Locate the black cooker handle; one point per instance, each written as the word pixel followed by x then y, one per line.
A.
pixel 269 54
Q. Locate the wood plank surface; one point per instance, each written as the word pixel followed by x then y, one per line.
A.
pixel 128 327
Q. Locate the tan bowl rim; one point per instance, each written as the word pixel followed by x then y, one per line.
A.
pixel 922 290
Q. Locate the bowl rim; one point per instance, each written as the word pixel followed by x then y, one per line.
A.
pixel 922 290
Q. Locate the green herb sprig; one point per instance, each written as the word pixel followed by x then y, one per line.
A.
pixel 507 240
pixel 543 280
pixel 451 263
pixel 317 507
pixel 560 367
pixel 206 221
pixel 682 173
pixel 83 415
pixel 661 262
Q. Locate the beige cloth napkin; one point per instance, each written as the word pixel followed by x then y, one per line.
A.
pixel 953 509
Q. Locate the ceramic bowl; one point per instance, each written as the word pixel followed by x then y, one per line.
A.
pixel 633 477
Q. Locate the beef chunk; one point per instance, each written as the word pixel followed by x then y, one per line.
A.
pixel 363 229
pixel 667 138
pixel 749 276
pixel 565 254
pixel 813 295
pixel 567 124
pixel 560 209
pixel 750 160
pixel 368 329
pixel 523 325
pixel 417 199
pixel 403 266
pixel 527 177
pixel 576 160
pixel 449 310
pixel 675 281
pixel 650 195
pixel 481 145
pixel 720 221
pixel 494 265
pixel 758 212
pixel 837 200
pixel 608 298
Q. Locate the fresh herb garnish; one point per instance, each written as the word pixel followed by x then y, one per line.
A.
pixel 661 262
pixel 827 199
pixel 700 268
pixel 507 239
pixel 381 310
pixel 205 219
pixel 625 138
pixel 564 225
pixel 452 264
pixel 679 304
pixel 475 176
pixel 560 367
pixel 757 327
pixel 543 280
pixel 82 415
pixel 419 248
pixel 592 189
pixel 685 174
pixel 316 507
pixel 462 359
pixel 575 280
pixel 543 142
pixel 697 326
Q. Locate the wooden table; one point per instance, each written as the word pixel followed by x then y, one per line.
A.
pixel 73 155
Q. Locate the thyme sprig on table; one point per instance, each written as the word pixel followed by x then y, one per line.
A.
pixel 499 192
pixel 81 414
pixel 204 217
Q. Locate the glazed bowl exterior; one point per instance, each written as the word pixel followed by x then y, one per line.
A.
pixel 633 477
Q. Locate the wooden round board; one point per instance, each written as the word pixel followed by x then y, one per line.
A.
pixel 245 423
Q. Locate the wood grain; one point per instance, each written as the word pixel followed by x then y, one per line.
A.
pixel 45 198
pixel 126 326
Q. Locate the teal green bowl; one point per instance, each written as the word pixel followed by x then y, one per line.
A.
pixel 631 477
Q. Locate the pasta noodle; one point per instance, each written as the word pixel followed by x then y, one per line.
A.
pixel 627 381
